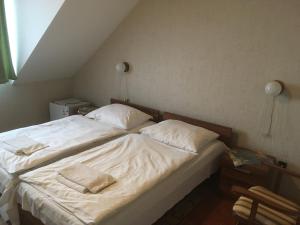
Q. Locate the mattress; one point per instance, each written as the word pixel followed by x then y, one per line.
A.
pixel 147 208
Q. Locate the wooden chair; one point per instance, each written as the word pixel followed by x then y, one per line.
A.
pixel 259 206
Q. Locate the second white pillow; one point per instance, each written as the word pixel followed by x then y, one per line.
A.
pixel 181 135
pixel 119 115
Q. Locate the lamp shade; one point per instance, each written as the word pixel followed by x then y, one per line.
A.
pixel 122 67
pixel 273 88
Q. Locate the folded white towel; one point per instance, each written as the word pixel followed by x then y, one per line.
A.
pixel 71 184
pixel 90 178
pixel 22 145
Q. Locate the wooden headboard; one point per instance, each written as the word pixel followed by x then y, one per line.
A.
pixel 152 112
pixel 225 133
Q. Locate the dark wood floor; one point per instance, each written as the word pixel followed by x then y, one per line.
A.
pixel 204 206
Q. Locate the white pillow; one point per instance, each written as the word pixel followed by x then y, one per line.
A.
pixel 119 115
pixel 181 135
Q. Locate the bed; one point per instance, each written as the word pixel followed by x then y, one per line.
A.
pixel 64 137
pixel 143 207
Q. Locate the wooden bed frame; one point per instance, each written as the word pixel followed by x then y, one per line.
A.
pixel 225 133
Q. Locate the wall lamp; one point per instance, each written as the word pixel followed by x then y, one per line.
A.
pixel 122 67
pixel 274 88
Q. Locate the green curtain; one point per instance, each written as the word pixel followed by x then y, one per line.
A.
pixel 6 67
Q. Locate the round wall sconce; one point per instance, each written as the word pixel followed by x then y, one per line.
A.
pixel 122 67
pixel 274 88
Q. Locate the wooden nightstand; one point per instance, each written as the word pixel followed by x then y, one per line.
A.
pixel 245 176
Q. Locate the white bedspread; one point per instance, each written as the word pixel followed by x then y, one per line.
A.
pixel 62 136
pixel 137 162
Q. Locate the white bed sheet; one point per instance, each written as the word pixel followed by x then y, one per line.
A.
pixel 62 136
pixel 6 177
pixel 146 208
pixel 135 161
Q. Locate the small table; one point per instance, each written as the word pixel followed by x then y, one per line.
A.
pixel 245 176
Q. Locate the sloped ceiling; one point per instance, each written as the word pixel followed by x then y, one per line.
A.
pixel 28 21
pixel 77 31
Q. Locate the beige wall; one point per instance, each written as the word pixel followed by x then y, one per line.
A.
pixel 27 104
pixel 209 60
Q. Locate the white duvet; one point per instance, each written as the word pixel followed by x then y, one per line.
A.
pixel 61 136
pixel 137 163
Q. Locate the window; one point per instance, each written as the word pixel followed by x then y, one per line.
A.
pixel 11 21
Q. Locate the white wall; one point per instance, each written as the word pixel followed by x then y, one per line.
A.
pixel 32 19
pixel 74 35
pixel 209 60
pixel 27 104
